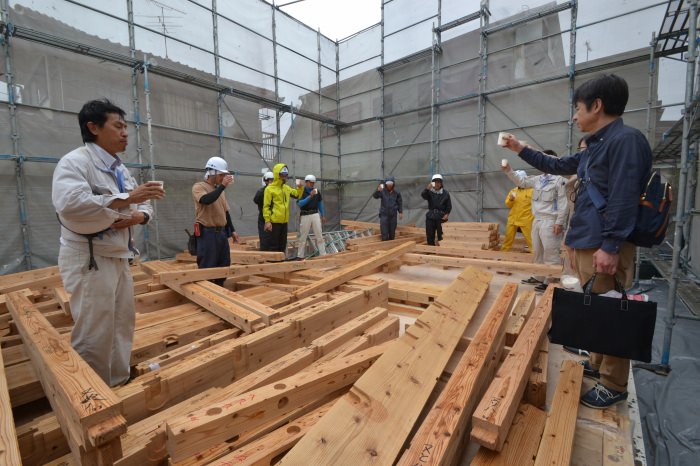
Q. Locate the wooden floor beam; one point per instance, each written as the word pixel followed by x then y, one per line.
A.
pixel 494 415
pixel 372 422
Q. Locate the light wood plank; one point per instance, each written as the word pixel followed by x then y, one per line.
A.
pixel 371 423
pixel 440 436
pixel 444 250
pixel 88 410
pixel 214 424
pixel 353 271
pixel 522 443
pixel 558 438
pixel 9 448
pixel 521 312
pixel 500 266
pixel 494 415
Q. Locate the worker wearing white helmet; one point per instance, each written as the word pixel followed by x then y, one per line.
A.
pixel 439 208
pixel 312 216
pixel 258 199
pixel 550 209
pixel 519 201
pixel 213 225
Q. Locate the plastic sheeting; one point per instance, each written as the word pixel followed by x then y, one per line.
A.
pixel 527 91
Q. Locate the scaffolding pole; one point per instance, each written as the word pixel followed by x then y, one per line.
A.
pixel 151 161
pixel 682 180
pixel 483 73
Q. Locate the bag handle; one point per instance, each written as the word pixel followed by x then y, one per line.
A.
pixel 588 287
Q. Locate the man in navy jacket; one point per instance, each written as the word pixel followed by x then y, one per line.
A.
pixel 617 163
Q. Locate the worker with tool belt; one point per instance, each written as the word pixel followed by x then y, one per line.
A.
pixel 97 202
pixel 213 225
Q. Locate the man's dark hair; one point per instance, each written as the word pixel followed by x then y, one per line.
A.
pixel 96 111
pixel 550 152
pixel 611 89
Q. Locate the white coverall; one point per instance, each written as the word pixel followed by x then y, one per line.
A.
pixel 85 182
pixel 549 207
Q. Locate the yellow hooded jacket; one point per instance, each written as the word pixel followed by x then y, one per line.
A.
pixel 276 200
pixel 520 207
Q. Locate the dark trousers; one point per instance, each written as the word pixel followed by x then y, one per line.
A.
pixel 431 228
pixel 263 235
pixel 387 225
pixel 277 239
pixel 213 251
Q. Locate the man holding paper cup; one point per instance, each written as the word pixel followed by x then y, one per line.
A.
pixel 97 201
pixel 615 166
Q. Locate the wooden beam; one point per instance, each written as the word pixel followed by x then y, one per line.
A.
pixel 558 438
pixel 218 305
pixel 175 355
pixel 443 250
pixel 237 271
pixel 9 448
pixel 269 447
pixel 522 443
pixel 157 300
pixel 494 415
pixel 353 271
pixel 265 312
pixel 63 299
pixel 385 245
pixel 35 280
pixel 230 360
pixel 372 422
pixel 536 390
pixel 521 312
pixel 89 412
pixel 215 424
pixel 500 266
pixel 441 434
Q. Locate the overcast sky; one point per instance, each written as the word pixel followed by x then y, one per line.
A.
pixel 336 18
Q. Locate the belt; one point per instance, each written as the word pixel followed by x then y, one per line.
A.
pixel 214 229
pixel 308 212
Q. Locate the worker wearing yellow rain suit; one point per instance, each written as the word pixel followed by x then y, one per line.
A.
pixel 519 201
pixel 276 207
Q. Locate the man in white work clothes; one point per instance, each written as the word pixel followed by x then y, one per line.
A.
pixel 550 209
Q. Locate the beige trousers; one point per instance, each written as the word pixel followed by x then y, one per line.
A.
pixel 545 244
pixel 614 372
pixel 102 305
pixel 308 222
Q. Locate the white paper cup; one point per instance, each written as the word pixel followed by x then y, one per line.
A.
pixel 299 182
pixel 432 183
pixel 381 186
pixel 502 136
pixel 504 163
pixel 314 192
pixel 161 183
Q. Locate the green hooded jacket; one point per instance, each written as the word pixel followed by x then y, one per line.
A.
pixel 276 199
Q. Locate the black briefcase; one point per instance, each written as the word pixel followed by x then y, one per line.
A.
pixel 613 326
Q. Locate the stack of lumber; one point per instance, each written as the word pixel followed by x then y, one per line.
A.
pixel 300 362
pixel 464 235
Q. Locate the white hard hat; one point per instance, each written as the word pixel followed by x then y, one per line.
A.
pixel 521 173
pixel 268 176
pixel 218 164
pixel 310 178
pixel 284 171
pixel 436 176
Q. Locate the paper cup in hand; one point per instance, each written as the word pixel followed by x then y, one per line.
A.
pixel 299 182
pixel 504 163
pixel 502 138
pixel 381 186
pixel 314 192
pixel 161 183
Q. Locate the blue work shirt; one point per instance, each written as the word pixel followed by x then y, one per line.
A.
pixel 619 166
